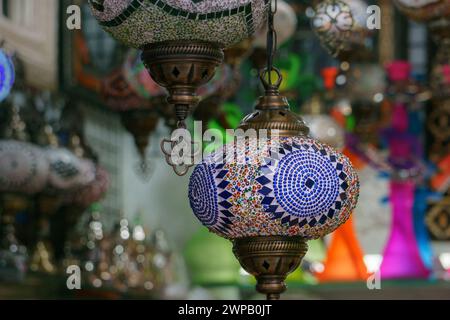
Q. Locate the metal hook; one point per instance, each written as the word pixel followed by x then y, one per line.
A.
pixel 181 168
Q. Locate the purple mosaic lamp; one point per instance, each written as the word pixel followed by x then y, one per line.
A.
pixel 182 42
pixel 269 195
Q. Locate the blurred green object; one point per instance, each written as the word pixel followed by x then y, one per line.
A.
pixel 233 115
pixel 210 260
pixel 301 277
pixel 316 252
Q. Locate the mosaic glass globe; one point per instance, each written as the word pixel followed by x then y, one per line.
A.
pixel 67 171
pixel 424 10
pixel 23 167
pixel 7 75
pixel 296 187
pixel 138 23
pixel 341 25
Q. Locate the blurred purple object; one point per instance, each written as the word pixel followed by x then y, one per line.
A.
pixel 401 258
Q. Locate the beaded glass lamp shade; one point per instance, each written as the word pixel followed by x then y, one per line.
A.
pixel 299 187
pixel 269 194
pixel 341 26
pixel 7 75
pixel 23 167
pixel 138 23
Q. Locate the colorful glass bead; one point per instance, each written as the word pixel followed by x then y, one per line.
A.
pixel 297 187
pixel 138 23
pixel 23 167
pixel 7 75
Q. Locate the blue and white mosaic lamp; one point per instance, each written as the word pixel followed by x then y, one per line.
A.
pixel 290 190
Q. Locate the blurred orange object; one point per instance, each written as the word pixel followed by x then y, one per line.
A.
pixel 356 160
pixel 441 181
pixel 329 77
pixel 344 261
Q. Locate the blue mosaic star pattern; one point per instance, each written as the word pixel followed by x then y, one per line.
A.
pixel 297 187
pixel 138 23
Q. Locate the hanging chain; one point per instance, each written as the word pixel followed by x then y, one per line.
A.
pixel 271 39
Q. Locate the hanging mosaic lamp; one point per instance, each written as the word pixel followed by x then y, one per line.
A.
pixel 67 171
pixel 182 41
pixel 24 167
pixel 424 10
pixel 7 74
pixel 271 194
pixel 293 191
pixel 342 27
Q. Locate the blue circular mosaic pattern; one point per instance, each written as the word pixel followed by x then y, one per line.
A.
pixel 306 183
pixel 203 195
pixel 7 75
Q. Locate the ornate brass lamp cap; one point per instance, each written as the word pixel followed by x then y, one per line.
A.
pixel 182 67
pixel 272 112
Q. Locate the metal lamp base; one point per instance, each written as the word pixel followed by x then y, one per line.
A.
pixel 270 259
pixel 182 67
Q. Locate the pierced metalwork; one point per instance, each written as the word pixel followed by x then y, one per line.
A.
pixel 181 67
